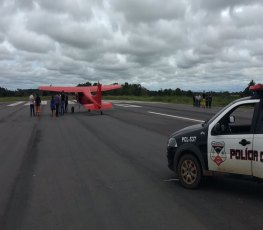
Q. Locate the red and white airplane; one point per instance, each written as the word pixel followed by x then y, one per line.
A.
pixel 89 96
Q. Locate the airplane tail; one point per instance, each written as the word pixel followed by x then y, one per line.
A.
pixel 96 100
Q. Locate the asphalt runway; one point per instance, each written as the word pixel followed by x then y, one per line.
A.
pixel 87 171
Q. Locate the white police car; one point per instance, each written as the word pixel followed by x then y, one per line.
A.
pixel 230 142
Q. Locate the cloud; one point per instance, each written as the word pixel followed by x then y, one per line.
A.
pixel 196 45
pixel 218 5
pixel 148 11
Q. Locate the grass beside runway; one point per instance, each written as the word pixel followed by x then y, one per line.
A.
pixel 217 100
pixel 15 99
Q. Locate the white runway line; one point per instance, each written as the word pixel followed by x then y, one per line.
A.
pixel 42 103
pixel 172 179
pixel 128 105
pixel 168 115
pixel 16 103
pixel 72 102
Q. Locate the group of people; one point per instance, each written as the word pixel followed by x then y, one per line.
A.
pixel 34 105
pixel 204 101
pixel 58 104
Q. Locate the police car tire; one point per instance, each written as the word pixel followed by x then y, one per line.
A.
pixel 189 171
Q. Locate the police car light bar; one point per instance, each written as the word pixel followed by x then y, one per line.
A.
pixel 257 87
pixel 257 90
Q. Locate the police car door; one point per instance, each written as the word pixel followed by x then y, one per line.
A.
pixel 230 139
pixel 257 164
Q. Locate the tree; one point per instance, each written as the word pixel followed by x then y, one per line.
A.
pixel 247 92
pixel 178 92
pixel 85 84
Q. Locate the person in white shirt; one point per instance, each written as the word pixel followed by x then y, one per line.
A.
pixel 32 105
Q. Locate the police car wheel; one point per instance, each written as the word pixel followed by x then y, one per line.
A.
pixel 189 171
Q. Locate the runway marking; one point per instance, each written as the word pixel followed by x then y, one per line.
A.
pixel 183 118
pixel 173 179
pixel 72 102
pixel 42 103
pixel 128 105
pixel 16 103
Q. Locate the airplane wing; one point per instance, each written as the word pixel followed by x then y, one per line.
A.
pixel 78 89
pixel 66 89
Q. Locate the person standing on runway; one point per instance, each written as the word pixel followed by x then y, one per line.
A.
pixel 66 103
pixel 37 103
pixel 32 105
pixel 57 99
pixel 52 106
pixel 62 105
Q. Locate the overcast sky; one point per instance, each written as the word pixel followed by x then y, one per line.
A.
pixel 189 44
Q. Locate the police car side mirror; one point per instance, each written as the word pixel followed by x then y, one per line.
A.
pixel 232 119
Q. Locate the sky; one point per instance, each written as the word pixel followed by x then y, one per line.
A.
pixel 188 44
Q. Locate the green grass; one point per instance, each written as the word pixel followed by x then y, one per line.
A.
pixel 13 99
pixel 223 100
pixel 217 100
pixel 178 100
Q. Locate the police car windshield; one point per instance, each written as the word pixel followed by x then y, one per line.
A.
pixel 223 109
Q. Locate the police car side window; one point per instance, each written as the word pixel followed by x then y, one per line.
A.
pixel 239 120
pixel 243 119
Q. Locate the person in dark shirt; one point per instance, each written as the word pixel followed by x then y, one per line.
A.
pixel 66 103
pixel 37 104
pixel 57 104
pixel 62 106
pixel 52 106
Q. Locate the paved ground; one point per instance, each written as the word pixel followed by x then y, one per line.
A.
pixel 86 171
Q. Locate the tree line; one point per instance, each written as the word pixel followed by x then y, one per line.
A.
pixel 128 90
pixel 138 90
pixel 16 93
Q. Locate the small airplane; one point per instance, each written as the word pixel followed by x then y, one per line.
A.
pixel 89 96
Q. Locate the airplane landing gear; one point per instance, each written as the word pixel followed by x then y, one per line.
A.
pixel 101 113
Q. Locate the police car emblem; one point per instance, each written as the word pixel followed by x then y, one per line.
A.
pixel 218 153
